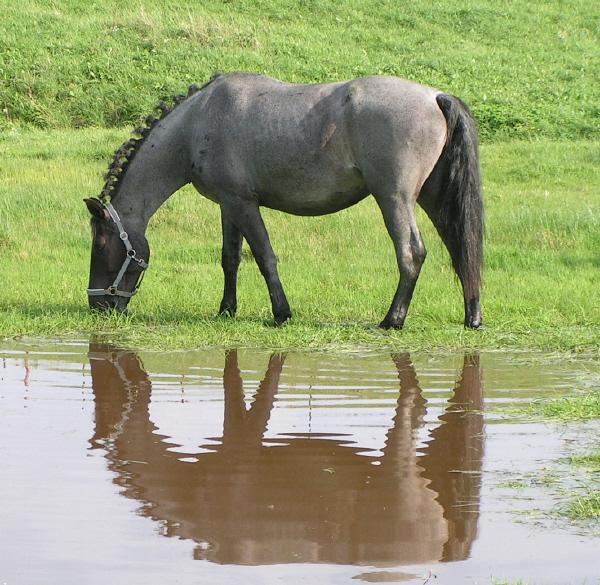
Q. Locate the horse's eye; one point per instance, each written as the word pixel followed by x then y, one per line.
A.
pixel 100 242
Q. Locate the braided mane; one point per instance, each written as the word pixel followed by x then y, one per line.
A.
pixel 127 151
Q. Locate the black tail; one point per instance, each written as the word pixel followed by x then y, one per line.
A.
pixel 460 220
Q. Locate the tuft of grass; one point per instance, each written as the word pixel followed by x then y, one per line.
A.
pixel 589 460
pixel 585 507
pixel 582 406
pixel 514 484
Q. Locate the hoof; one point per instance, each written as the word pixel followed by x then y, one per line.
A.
pixel 226 311
pixel 476 326
pixel 282 320
pixel 387 325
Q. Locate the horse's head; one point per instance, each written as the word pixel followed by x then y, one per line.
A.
pixel 118 261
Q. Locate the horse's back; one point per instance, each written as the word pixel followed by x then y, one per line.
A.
pixel 308 148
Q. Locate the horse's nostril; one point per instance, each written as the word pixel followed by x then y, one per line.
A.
pixel 101 304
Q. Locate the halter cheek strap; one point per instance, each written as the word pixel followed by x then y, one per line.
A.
pixel 130 256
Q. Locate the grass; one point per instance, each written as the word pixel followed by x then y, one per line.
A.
pixel 580 405
pixel 589 460
pixel 577 407
pixel 528 71
pixel 541 277
pixel 583 501
pixel 585 507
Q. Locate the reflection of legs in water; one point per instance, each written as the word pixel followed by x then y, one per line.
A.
pixel 410 400
pixel 410 410
pixel 118 377
pixel 194 500
pixel 400 511
pixel 241 426
pixel 399 518
pixel 429 486
pixel 452 460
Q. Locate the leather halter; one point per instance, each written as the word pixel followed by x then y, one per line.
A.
pixel 131 256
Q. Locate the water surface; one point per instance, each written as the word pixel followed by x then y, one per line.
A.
pixel 248 467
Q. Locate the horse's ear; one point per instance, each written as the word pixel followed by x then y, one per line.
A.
pixel 97 209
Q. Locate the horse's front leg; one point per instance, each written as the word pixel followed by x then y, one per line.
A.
pixel 231 256
pixel 245 215
pixel 401 224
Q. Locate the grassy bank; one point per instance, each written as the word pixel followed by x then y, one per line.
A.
pixel 528 70
pixel 541 278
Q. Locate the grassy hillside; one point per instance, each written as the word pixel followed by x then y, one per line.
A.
pixel 528 69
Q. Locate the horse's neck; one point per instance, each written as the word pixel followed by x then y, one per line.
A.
pixel 158 169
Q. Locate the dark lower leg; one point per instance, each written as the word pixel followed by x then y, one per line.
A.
pixel 410 254
pixel 398 310
pixel 230 261
pixel 279 303
pixel 473 317
pixel 253 229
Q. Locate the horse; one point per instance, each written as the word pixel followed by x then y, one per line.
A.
pixel 247 141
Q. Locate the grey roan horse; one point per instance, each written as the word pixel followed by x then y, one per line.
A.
pixel 246 141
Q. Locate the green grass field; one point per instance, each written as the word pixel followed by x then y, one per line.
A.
pixel 75 75
pixel 527 69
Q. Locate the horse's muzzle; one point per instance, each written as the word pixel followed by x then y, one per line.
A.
pixel 108 303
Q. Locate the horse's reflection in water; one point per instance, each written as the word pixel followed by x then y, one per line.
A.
pixel 313 499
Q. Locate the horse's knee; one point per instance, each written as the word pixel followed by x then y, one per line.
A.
pixel 230 263
pixel 268 266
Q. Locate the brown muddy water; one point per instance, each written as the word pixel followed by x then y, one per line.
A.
pixel 245 467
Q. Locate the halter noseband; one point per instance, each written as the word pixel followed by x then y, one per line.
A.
pixel 113 289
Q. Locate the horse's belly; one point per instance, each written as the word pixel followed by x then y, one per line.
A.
pixel 311 203
pixel 313 194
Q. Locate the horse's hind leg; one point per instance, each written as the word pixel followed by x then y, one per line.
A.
pixel 245 215
pixel 230 261
pixel 400 221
